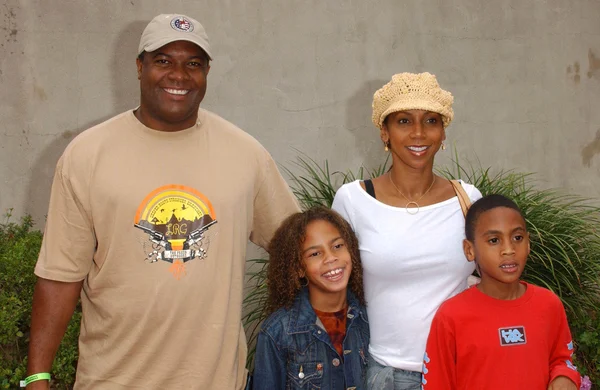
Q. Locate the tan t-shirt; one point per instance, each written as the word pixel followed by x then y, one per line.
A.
pixel 162 297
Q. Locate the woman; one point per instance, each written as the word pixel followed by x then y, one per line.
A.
pixel 410 228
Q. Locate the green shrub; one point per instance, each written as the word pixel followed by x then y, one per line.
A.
pixel 19 248
pixel 586 332
pixel 316 185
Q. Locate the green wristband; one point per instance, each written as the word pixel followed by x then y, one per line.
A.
pixel 37 377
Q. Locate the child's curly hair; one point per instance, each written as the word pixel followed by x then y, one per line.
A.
pixel 285 256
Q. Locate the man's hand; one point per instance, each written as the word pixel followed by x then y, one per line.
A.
pixel 562 383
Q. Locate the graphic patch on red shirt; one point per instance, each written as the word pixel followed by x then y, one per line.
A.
pixel 515 335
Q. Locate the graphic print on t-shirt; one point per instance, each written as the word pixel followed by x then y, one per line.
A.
pixel 514 335
pixel 175 218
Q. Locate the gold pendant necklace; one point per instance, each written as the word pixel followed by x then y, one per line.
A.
pixel 411 202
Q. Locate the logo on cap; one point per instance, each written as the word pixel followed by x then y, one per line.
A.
pixel 180 23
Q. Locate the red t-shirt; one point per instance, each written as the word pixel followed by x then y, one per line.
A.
pixel 478 342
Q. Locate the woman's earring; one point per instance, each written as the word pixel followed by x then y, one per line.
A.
pixel 443 146
pixel 386 146
pixel 306 282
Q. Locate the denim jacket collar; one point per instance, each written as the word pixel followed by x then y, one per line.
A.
pixel 303 317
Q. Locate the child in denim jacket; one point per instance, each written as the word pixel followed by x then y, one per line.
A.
pixel 317 334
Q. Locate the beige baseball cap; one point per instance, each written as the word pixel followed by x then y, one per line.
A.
pixel 167 28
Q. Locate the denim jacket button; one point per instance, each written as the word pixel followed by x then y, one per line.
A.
pixel 351 316
pixel 335 362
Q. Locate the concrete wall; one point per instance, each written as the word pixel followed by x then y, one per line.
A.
pixel 301 74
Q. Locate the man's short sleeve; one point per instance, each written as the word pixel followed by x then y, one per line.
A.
pixel 273 202
pixel 69 241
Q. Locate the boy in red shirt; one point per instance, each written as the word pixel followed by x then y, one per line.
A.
pixel 502 333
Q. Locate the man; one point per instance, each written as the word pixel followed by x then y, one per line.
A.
pixel 149 218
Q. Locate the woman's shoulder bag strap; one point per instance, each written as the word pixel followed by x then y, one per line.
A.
pixel 465 203
pixel 463 198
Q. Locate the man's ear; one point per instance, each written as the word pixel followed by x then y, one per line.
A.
pixel 528 243
pixel 469 250
pixel 138 64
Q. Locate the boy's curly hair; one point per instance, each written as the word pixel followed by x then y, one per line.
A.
pixel 285 256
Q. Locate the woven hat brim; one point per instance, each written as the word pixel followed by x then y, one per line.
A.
pixel 417 104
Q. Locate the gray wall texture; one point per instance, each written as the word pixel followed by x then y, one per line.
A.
pixel 301 74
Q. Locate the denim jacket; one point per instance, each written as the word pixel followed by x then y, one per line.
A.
pixel 294 351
